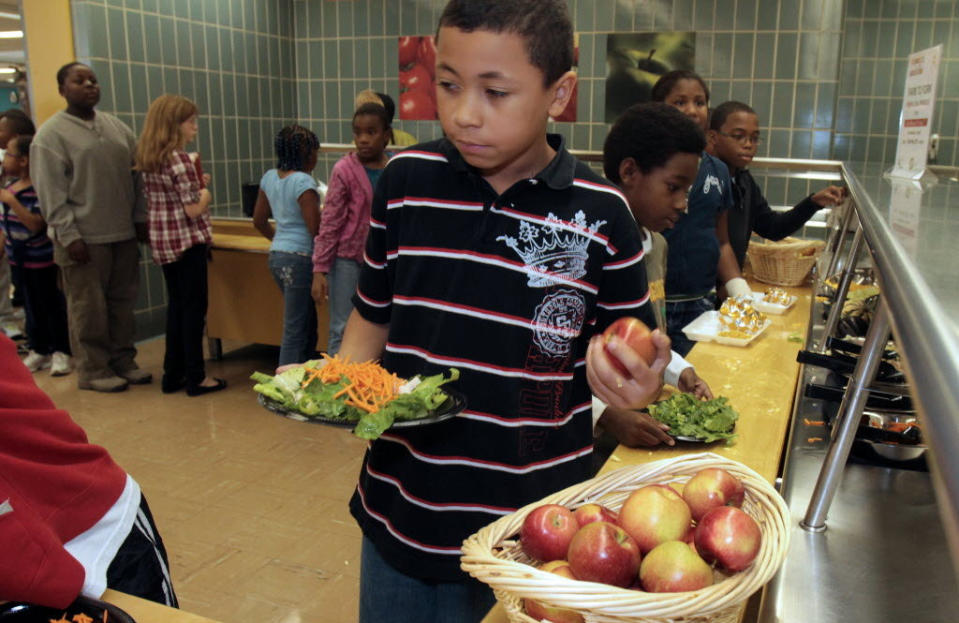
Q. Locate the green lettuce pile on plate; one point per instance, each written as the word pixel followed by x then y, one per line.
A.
pixel 316 399
pixel 687 416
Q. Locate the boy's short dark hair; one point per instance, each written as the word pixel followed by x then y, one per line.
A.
pixel 376 110
pixel 544 25
pixel 650 133
pixel 63 71
pixel 722 112
pixel 23 144
pixel 667 81
pixel 18 121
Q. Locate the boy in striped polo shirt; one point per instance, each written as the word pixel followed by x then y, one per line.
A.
pixel 494 251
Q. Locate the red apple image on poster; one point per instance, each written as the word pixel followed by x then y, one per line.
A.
pixel 417 68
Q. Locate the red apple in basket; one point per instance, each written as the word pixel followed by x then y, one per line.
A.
pixel 636 335
pixel 710 488
pixel 540 611
pixel 547 532
pixel 603 552
pixel 728 537
pixel 674 567
pixel 655 514
pixel 588 513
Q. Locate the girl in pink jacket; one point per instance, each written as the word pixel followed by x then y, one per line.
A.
pixel 338 247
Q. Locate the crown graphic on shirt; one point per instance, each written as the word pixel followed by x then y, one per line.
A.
pixel 554 249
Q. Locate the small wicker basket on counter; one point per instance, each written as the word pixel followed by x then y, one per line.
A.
pixel 493 555
pixel 783 263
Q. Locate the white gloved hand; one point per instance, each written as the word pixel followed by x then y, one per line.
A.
pixel 737 286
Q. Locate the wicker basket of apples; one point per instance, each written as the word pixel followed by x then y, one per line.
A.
pixel 684 539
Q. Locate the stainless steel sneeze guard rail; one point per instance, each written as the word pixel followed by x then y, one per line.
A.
pixel 930 345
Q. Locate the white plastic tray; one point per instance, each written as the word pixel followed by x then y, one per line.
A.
pixel 706 328
pixel 771 308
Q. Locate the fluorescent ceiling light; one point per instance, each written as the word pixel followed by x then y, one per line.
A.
pixel 9 15
pixel 11 34
pixel 8 70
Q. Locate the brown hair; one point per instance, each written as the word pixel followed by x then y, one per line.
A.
pixel 161 134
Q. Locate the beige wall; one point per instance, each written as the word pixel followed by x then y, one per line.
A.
pixel 48 33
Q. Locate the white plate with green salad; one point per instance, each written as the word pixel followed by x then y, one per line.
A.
pixel 362 396
pixel 697 421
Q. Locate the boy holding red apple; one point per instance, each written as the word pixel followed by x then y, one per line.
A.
pixel 652 154
pixel 495 251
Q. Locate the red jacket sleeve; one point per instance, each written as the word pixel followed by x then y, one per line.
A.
pixel 34 566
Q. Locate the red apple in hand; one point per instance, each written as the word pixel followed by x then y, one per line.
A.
pixel 710 488
pixel 636 335
pixel 588 513
pixel 603 552
pixel 547 532
pixel 728 537
pixel 674 567
pixel 540 611
pixel 655 514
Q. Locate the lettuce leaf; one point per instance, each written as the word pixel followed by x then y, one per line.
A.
pixel 317 399
pixel 708 420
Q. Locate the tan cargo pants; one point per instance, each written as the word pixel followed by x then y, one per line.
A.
pixel 101 296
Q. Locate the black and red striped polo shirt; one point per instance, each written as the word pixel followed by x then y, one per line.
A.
pixel 508 289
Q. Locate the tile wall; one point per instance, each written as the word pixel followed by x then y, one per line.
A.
pixel 820 73
pixel 879 38
pixel 235 59
pixel 782 57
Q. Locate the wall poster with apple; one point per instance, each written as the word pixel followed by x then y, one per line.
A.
pixel 636 60
pixel 417 58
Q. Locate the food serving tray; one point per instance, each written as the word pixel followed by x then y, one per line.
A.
pixel 706 328
pixel 760 304
pixel 454 405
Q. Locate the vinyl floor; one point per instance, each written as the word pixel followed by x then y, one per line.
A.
pixel 252 506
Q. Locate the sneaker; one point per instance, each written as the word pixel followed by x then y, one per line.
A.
pixel 109 384
pixel 136 376
pixel 35 361
pixel 60 365
pixel 12 331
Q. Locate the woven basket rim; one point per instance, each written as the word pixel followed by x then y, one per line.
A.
pixel 612 603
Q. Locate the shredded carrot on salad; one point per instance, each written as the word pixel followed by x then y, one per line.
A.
pixel 368 385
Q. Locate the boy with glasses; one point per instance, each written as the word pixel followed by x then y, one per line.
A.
pixel 733 138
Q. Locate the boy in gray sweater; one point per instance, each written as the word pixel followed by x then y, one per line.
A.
pixel 82 165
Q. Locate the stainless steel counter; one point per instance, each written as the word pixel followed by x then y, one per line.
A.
pixel 885 555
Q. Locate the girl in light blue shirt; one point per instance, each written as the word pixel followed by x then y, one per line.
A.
pixel 288 194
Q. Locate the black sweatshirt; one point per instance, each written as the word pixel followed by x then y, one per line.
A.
pixel 751 213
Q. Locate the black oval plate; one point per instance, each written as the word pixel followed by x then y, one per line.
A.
pixel 20 612
pixel 451 407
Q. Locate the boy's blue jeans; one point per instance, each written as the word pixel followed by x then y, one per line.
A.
pixel 342 280
pixel 388 595
pixel 294 274
pixel 680 314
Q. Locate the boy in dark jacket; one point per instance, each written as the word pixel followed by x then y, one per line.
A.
pixel 733 138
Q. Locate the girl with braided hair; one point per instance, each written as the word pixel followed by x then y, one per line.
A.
pixel 288 194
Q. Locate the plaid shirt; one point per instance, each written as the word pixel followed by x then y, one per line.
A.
pixel 168 191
